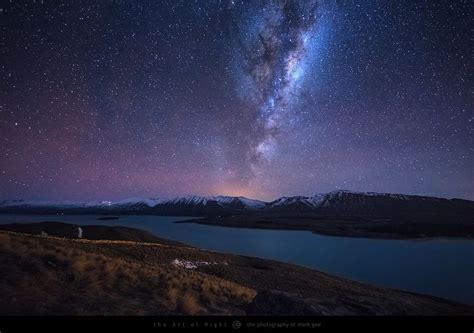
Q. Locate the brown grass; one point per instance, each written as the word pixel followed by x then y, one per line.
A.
pixel 47 275
pixel 190 305
pixel 50 276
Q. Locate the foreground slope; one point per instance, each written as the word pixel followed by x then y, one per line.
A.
pixel 52 275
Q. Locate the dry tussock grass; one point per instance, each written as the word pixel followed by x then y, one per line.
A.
pixel 47 276
pixel 189 304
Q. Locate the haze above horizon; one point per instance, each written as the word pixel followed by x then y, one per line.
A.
pixel 121 99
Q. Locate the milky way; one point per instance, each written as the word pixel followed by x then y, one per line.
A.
pixel 275 51
pixel 114 99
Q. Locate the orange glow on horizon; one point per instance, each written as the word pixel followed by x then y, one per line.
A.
pixel 237 190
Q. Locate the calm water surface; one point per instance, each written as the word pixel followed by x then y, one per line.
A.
pixel 440 267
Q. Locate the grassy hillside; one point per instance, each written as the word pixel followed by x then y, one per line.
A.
pixel 44 275
pixel 102 232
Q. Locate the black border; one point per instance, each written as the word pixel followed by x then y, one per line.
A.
pixel 255 323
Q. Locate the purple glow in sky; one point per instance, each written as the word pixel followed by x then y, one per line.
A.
pixel 115 99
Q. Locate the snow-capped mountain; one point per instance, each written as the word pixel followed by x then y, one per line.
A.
pixel 136 203
pixel 345 202
pixel 297 202
pixel 188 205
pixel 222 201
pixel 194 201
pixel 340 202
pixel 62 204
pixel 346 199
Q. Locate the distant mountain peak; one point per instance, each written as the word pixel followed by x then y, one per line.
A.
pixel 339 202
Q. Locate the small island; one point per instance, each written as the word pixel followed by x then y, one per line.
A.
pixel 106 218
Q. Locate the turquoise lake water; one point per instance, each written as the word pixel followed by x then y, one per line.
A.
pixel 439 267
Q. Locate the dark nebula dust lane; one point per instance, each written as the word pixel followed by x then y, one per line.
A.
pixel 114 99
pixel 276 49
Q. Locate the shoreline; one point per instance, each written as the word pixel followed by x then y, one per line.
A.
pixel 334 230
pixel 269 287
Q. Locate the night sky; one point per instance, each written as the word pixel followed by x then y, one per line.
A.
pixel 114 99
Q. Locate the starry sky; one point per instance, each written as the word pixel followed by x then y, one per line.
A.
pixel 124 98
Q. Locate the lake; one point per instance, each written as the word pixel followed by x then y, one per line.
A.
pixel 439 267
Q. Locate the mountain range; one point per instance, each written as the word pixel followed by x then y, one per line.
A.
pixel 335 203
